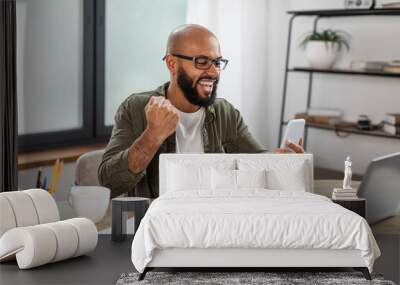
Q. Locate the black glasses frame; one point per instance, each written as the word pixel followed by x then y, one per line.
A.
pixel 216 61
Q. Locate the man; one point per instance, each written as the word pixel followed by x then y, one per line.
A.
pixel 180 116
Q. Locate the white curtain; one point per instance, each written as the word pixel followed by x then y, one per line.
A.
pixel 241 27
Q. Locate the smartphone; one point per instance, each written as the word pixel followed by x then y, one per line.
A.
pixel 294 131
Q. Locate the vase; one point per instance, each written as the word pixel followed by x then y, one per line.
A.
pixel 321 54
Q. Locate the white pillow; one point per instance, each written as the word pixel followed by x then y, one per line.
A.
pixel 236 179
pixel 293 180
pixel 251 178
pixel 182 177
pixel 223 179
pixel 282 174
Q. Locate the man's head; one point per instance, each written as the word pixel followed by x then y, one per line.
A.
pixel 193 58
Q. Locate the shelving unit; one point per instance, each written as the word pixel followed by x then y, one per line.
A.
pixel 318 14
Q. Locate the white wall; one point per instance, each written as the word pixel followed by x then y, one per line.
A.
pixel 241 28
pixel 373 38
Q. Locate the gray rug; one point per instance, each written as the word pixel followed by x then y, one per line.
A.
pixel 229 278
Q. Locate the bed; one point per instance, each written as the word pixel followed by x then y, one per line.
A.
pixel 247 211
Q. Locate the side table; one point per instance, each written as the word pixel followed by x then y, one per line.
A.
pixel 120 207
pixel 358 205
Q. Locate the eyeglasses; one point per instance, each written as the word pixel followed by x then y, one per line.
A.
pixel 204 62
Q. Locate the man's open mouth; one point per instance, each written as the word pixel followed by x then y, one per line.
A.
pixel 206 85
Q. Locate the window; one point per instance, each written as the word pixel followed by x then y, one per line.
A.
pixel 77 60
pixel 53 72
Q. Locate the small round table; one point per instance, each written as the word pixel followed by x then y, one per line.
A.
pixel 120 207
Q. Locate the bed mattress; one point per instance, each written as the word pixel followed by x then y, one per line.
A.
pixel 250 219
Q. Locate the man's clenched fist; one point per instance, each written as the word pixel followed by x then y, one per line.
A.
pixel 162 117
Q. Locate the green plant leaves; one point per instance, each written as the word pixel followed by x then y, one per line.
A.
pixel 336 36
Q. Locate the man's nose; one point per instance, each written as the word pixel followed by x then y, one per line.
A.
pixel 213 69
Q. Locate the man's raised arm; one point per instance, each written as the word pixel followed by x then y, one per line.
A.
pixel 128 153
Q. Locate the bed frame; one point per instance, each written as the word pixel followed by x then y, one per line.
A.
pixel 234 259
pixel 245 259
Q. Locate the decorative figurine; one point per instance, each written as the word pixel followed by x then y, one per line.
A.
pixel 347 174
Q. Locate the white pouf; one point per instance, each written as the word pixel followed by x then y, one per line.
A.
pixel 46 208
pixel 7 220
pixel 23 208
pixel 37 245
pixel 31 233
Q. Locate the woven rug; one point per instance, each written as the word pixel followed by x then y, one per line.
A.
pixel 242 278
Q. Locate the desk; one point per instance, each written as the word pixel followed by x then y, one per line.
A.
pixel 102 266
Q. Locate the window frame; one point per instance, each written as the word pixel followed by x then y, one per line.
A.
pixel 93 48
pixel 101 128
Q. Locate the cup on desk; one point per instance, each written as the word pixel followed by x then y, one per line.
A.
pixel 89 201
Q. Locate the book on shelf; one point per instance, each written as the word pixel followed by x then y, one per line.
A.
pixel 395 63
pixel 393 5
pixel 368 65
pixel 345 191
pixel 391 129
pixel 336 195
pixel 323 120
pixel 393 118
pixel 386 4
pixel 392 68
pixel 320 116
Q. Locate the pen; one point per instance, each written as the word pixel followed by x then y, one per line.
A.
pixel 39 178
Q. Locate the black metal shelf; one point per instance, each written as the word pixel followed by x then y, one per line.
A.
pixel 346 71
pixel 350 130
pixel 347 12
pixel 311 71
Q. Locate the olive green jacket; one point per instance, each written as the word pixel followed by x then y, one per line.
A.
pixel 223 131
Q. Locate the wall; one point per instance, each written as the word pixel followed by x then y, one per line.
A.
pixel 373 38
pixel 241 28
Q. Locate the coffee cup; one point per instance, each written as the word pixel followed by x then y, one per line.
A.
pixel 89 201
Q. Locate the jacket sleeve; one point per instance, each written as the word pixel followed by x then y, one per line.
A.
pixel 113 171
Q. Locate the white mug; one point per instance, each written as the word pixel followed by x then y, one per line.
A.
pixel 89 201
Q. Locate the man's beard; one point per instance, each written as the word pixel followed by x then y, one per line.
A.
pixel 190 92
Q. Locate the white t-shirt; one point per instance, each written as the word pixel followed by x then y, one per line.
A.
pixel 188 132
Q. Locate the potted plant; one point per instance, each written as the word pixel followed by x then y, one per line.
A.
pixel 322 47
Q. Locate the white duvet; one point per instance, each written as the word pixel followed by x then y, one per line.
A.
pixel 251 218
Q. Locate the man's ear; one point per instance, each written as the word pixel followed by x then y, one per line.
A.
pixel 172 65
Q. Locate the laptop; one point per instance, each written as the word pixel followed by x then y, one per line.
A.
pixel 381 188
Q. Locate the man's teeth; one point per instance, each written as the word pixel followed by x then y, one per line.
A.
pixel 207 83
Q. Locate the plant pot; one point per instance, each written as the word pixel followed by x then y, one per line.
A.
pixel 321 55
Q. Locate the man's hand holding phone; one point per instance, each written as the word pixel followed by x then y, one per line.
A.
pixel 292 141
pixel 291 147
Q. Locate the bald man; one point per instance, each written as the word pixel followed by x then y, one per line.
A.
pixel 181 116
